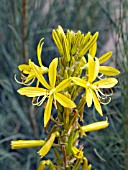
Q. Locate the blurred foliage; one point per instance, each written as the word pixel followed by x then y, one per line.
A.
pixel 106 149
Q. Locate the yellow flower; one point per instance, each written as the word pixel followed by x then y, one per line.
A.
pixel 18 144
pixel 95 126
pixel 51 92
pixel 43 164
pixel 47 146
pixel 105 70
pixel 27 69
pixel 73 44
pixel 93 89
pixel 86 166
pixel 77 153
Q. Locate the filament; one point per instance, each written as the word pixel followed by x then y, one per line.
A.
pixel 105 103
pixel 39 103
pixel 19 82
pixel 100 77
pixel 100 98
pixel 105 94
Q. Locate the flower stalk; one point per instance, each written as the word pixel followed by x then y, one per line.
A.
pixel 73 85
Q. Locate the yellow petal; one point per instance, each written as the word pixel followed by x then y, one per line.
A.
pixel 32 91
pixel 43 69
pixel 41 165
pixel 52 72
pixel 97 103
pixel 39 50
pixel 24 68
pixel 38 74
pixel 89 97
pixel 95 126
pixel 65 83
pixel 30 77
pixel 85 164
pixel 78 81
pixel 106 83
pixel 93 68
pixel 64 101
pixel 93 49
pixel 45 149
pixel 105 57
pixel 26 143
pixel 89 44
pixel 66 49
pixel 47 112
pixel 77 153
pixel 57 41
pixel 109 71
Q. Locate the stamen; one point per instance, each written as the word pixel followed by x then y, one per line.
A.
pixel 39 103
pixel 26 84
pixel 100 77
pixel 105 93
pixel 23 75
pixel 106 102
pixel 99 97
pixel 55 103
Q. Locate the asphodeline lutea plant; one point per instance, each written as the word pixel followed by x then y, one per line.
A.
pixel 75 80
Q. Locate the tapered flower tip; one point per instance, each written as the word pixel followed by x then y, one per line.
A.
pixel 18 144
pixel 77 153
pixel 109 71
pixel 45 149
pixel 24 68
pixel 95 126
pixel 39 50
pixel 96 35
pixel 105 57
pixel 52 72
pixel 106 83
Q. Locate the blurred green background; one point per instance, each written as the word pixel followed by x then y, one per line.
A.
pixel 22 24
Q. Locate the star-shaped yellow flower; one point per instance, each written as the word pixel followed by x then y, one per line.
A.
pixel 50 91
pixel 93 88
pixel 105 70
pixel 27 69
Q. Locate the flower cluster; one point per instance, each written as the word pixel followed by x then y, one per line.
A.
pixel 78 70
